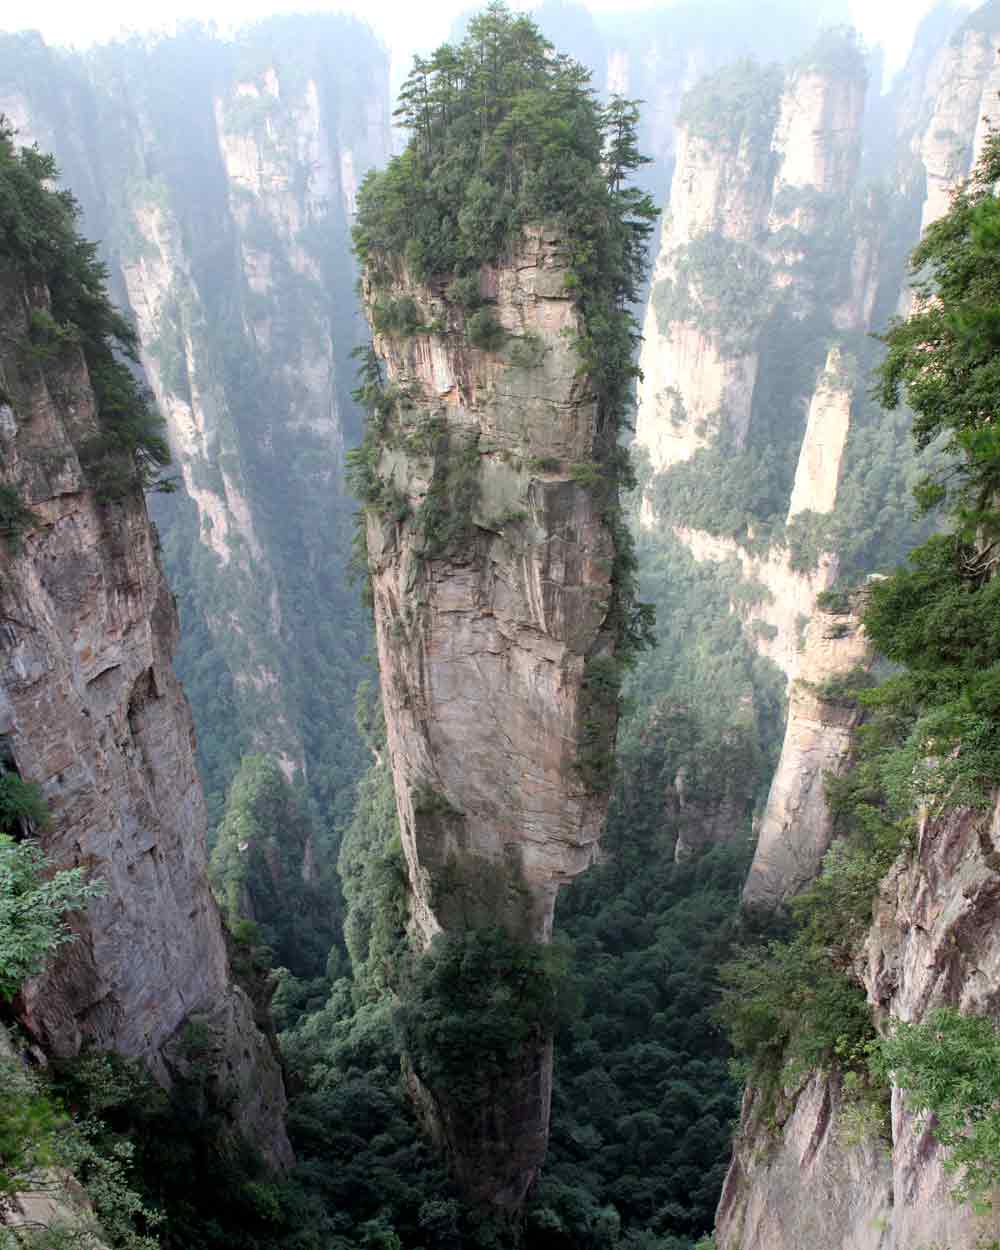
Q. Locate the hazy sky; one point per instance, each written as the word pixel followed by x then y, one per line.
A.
pixel 404 24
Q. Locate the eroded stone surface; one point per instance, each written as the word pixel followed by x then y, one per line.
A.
pixel 90 710
pixel 482 648
pixel 796 1181
pixel 797 828
pixel 932 943
pixel 818 470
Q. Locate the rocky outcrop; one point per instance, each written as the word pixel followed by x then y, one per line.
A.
pixel 776 601
pixel 818 135
pixel 797 1180
pixel 933 944
pixel 491 639
pixel 696 383
pixel 816 1175
pixel 963 83
pixel 797 827
pixel 90 709
pixel 757 165
pixel 763 196
pixel 818 468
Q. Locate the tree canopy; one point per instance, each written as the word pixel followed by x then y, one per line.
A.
pixel 38 236
pixel 505 132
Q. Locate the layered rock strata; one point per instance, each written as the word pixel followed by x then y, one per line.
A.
pixel 91 710
pixel 487 640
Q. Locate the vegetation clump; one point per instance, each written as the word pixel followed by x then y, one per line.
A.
pixel 736 104
pixel 949 1066
pixel 506 134
pixel 128 450
pixel 473 1002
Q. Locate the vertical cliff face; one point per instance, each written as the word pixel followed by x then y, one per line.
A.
pixel 808 1172
pixel 756 161
pixel 805 1169
pixel 818 469
pixel 818 134
pixel 482 647
pixel 697 378
pixel 794 1181
pixel 768 273
pixel 491 573
pixel 90 709
pixel 933 943
pixel 221 178
pixel 797 828
pixel 961 90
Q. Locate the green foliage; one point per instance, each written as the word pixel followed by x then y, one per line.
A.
pixel 29 1126
pixel 791 1003
pixel 941 621
pixel 527 351
pixel 807 536
pixel 643 1104
pixel 38 234
pixel 599 708
pixel 22 805
pixel 505 135
pixel 255 392
pixel 267 864
pixel 396 316
pixel 835 601
pixel 484 331
pixel 944 359
pixel 472 1003
pixel 372 869
pixel 785 1005
pixel 949 1066
pixel 839 51
pixel 446 512
pixel 736 105
pixel 33 906
pixel 39 1133
pixel 162 1145
pixel 720 286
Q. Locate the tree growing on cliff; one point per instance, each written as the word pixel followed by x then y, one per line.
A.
pixel 34 900
pixel 507 133
pixel 38 236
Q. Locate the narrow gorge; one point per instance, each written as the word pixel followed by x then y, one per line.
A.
pixel 92 713
pixel 582 834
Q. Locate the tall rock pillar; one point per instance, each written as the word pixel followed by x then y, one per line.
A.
pixel 491 561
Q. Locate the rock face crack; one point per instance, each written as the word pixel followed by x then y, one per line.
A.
pixel 503 619
pixel 91 711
